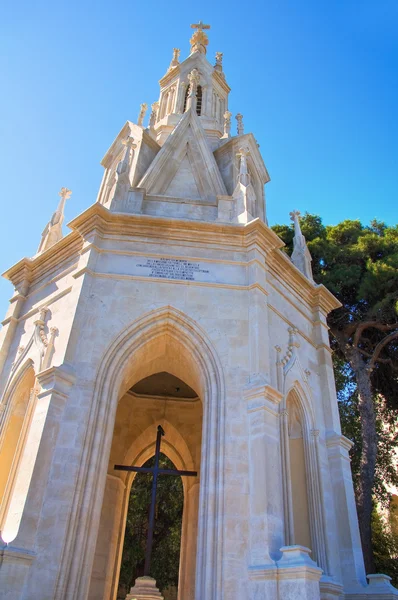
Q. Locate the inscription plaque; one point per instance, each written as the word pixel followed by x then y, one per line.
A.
pixel 172 268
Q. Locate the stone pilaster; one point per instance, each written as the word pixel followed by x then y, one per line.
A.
pixel 266 515
pixel 349 543
pixel 34 524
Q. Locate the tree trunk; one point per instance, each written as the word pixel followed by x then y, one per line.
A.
pixel 368 456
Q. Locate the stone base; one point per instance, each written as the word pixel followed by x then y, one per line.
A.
pixel 298 574
pixel 330 590
pixel 379 588
pixel 144 589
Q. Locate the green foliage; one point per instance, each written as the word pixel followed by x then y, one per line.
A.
pixel 385 548
pixel 386 474
pixel 167 533
pixel 359 265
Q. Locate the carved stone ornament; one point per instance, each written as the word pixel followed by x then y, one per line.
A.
pixel 240 127
pixel 142 113
pixel 244 176
pixel 227 124
pixel 154 114
pixel 125 163
pixel 53 231
pixel 199 39
pixel 194 78
pixel 218 65
pixel 175 60
pixel 40 339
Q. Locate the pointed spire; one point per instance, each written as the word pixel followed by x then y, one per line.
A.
pixel 244 194
pixel 301 256
pixel 53 231
pixel 142 113
pixel 199 39
pixel 175 60
pixel 124 165
pixel 244 176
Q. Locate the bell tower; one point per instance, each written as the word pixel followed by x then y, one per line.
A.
pixel 193 83
pixel 186 162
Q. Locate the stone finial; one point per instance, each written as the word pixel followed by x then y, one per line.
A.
pixel 218 65
pixel 154 113
pixel 125 163
pixel 53 231
pixel 227 124
pixel 244 176
pixel 199 39
pixel 301 256
pixel 142 113
pixel 239 118
pixel 194 79
pixel 175 60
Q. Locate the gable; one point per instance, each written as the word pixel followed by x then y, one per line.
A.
pixel 183 184
pixel 185 166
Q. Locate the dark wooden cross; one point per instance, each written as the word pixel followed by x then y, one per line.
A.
pixel 155 473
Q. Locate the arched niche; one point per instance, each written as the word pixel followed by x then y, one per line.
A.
pixel 18 408
pixel 302 485
pixel 298 473
pixel 162 340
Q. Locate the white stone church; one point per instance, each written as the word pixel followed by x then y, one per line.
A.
pixel 171 303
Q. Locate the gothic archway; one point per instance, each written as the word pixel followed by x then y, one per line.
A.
pixel 136 353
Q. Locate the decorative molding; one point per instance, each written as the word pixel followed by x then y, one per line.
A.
pixel 43 342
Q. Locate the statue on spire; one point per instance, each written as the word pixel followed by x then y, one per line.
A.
pixel 199 39
pixel 301 256
pixel 142 113
pixel 175 60
pixel 53 230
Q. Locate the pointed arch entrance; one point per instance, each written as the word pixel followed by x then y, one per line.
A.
pixel 164 340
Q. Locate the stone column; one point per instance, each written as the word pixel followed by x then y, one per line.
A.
pixel 265 505
pixel 258 318
pixel 38 516
pixel 298 575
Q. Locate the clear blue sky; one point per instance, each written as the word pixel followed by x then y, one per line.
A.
pixel 316 80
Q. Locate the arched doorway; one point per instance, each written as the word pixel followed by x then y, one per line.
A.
pixel 164 396
pixel 163 340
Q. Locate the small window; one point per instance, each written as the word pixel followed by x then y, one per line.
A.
pixel 199 100
pixel 186 99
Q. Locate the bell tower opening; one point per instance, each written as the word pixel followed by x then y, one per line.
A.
pixel 199 96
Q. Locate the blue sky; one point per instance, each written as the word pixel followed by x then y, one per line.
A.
pixel 316 81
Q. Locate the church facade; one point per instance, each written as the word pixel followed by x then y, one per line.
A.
pixel 173 275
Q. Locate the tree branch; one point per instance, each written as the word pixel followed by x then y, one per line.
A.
pixel 380 326
pixel 379 348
